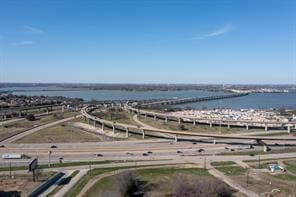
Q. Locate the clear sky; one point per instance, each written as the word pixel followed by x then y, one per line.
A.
pixel 149 41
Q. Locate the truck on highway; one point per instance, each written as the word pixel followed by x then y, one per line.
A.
pixel 14 156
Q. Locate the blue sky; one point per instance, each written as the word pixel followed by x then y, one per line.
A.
pixel 149 41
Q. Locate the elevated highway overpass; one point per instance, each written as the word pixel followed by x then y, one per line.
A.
pixel 223 122
pixel 177 134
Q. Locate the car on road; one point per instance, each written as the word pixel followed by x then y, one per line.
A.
pixel 53 146
pixel 252 155
pixel 232 150
pixel 128 153
pixel 2 146
pixel 194 143
pixel 200 150
pixel 179 151
pixel 99 155
pixel 149 152
pixel 145 154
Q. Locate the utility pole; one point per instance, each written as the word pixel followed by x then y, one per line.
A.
pixel 89 168
pixel 248 177
pixel 49 158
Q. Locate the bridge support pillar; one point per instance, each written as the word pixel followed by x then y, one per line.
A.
pixel 47 111
pixel 166 119
pixel 211 124
pixel 266 128
pixel 214 140
pixel 228 125
pixel 194 122
pixel 143 134
pixel 265 148
pixel 179 121
pixel 288 129
pixel 20 114
pixel 94 123
pixel 103 126
pixel 126 132
pixel 176 138
pixel 247 126
pixel 154 117
pixel 63 108
pixel 4 117
pixel 145 116
pixel 113 129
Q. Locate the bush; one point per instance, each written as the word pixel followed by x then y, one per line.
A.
pixel 186 186
pixel 30 117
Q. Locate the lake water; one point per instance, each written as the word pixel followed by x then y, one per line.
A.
pixel 252 101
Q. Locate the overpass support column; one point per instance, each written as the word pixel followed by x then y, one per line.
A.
pixel 176 138
pixel 63 108
pixel 211 124
pixel 103 126
pixel 47 111
pixel 113 129
pixel 265 148
pixel 179 121
pixel 4 116
pixel 166 119
pixel 20 114
pixel 94 123
pixel 126 132
pixel 145 115
pixel 266 127
pixel 143 134
pixel 214 140
pixel 154 117
pixel 247 126
pixel 194 122
pixel 288 129
pixel 228 125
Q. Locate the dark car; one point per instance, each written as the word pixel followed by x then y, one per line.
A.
pixel 194 143
pixel 252 155
pixel 149 152
pixel 2 146
pixel 145 154
pixel 53 146
pixel 179 151
pixel 200 150
pixel 99 155
pixel 232 150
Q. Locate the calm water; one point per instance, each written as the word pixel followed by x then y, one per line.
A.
pixel 254 101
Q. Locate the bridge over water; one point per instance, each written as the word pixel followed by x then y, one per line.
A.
pixel 190 100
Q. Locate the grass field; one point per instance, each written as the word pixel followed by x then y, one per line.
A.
pixel 222 163
pixel 63 133
pixel 11 129
pixel 232 170
pixel 160 178
pixel 118 117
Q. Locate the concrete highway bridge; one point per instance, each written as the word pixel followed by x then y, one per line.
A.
pixel 228 123
pixel 86 112
pixel 21 111
pixel 190 100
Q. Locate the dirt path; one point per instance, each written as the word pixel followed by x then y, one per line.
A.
pixel 230 182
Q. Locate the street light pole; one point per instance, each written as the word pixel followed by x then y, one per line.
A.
pixel 49 158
